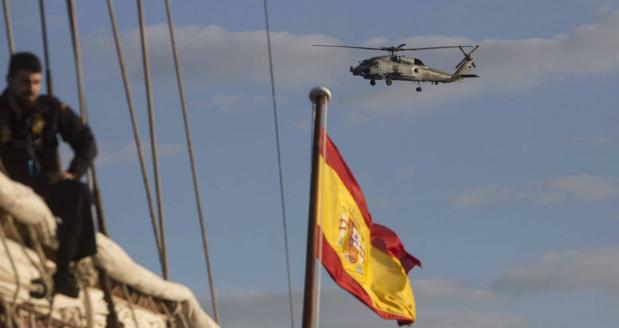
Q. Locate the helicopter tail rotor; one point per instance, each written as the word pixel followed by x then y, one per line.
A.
pixel 467 57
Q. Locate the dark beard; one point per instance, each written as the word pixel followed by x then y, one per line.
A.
pixel 24 102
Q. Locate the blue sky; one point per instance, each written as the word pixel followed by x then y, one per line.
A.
pixel 506 187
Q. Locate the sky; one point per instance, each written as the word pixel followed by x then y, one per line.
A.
pixel 506 187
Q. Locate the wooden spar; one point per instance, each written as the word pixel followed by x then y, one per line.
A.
pixel 319 96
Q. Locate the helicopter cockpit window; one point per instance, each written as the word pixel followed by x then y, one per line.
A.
pixel 419 62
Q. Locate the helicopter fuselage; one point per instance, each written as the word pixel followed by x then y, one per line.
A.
pixel 405 68
pixel 401 68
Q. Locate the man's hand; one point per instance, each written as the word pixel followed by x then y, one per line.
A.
pixel 66 175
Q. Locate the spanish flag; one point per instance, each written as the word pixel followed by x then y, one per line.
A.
pixel 365 258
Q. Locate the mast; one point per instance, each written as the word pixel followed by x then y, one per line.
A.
pixel 319 96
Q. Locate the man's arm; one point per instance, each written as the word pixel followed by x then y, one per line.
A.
pixel 81 139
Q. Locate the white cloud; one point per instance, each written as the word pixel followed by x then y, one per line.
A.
pixel 340 309
pixel 486 196
pixel 583 188
pixel 576 270
pixel 445 289
pixel 469 319
pixel 504 65
pixel 212 55
pixel 114 154
pixel 580 188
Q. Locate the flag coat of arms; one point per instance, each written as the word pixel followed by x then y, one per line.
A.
pixel 365 258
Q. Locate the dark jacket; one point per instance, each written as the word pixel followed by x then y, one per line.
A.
pixel 29 143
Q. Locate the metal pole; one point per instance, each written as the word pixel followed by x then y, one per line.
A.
pixel 320 97
pixel 8 23
pixel 192 160
pixel 48 72
pixel 153 140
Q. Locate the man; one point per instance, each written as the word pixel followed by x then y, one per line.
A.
pixel 29 126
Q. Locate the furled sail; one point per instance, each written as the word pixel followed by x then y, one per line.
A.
pixel 20 265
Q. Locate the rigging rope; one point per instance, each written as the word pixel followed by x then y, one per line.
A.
pixel 125 291
pixel 48 72
pixel 153 140
pixel 279 163
pixel 194 175
pixel 135 127
pixel 8 22
pixel 78 59
pixel 92 175
pixel 11 307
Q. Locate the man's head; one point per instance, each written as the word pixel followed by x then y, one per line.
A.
pixel 24 78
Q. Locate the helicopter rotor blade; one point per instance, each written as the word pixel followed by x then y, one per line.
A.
pixel 333 46
pixel 401 45
pixel 467 56
pixel 463 52
pixel 431 48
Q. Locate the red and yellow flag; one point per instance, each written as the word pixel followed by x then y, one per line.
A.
pixel 364 258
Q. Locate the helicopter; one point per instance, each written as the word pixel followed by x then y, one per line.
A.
pixel 405 68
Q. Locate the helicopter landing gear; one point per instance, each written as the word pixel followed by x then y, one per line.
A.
pixel 418 87
pixel 388 82
pixel 372 82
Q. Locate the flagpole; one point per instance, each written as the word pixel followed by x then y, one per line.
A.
pixel 319 96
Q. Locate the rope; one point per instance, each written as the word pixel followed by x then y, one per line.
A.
pixel 9 319
pixel 321 216
pixel 78 59
pixel 279 163
pixel 48 321
pixel 93 185
pixel 88 308
pixel 153 140
pixel 168 313
pixel 8 22
pixel 196 186
pixel 11 307
pixel 39 266
pixel 92 180
pixel 48 72
pixel 178 308
pixel 130 304
pixel 135 127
